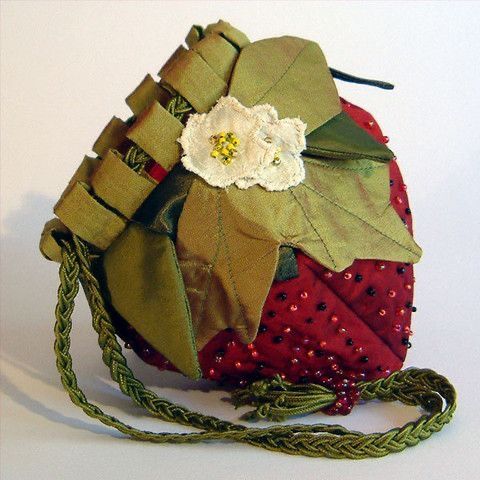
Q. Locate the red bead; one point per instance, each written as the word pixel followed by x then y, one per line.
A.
pixel 370 124
pixel 238 364
pixel 400 311
pixel 382 312
pixel 403 187
pixel 250 346
pixel 342 330
pixel 334 318
pixel 231 344
pixel 392 293
pixel 294 361
pixel 408 286
pixel 212 372
pixel 358 349
pixel 347 275
pixel 323 343
pixel 328 274
pixel 304 295
pixel 287 330
pixel 386 139
pixel 293 307
pixel 397 327
pixel 254 354
pixel 311 353
pixel 380 266
pixel 398 200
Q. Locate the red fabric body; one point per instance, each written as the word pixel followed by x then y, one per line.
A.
pixel 324 327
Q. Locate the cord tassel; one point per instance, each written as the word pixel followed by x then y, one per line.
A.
pixel 276 399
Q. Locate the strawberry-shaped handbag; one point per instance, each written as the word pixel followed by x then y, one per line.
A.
pixel 248 226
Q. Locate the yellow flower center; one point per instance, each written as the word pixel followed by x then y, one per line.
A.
pixel 224 146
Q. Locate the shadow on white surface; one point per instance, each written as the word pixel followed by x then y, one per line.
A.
pixel 35 406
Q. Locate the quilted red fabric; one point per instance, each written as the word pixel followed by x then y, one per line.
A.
pixel 324 327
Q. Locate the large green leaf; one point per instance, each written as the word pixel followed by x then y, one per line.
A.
pixel 146 287
pixel 228 240
pixel 289 73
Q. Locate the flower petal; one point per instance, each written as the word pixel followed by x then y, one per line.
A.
pixel 288 173
pixel 288 136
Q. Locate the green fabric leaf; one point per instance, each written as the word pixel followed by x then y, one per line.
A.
pixel 147 289
pixel 342 138
pixel 289 73
pixel 227 237
pixel 228 263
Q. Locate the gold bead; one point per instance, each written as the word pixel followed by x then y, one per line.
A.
pixel 276 157
pixel 224 146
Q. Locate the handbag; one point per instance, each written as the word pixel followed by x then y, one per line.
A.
pixel 249 226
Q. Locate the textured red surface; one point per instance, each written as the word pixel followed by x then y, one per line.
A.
pixel 324 327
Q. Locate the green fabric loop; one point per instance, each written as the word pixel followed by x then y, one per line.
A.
pixel 412 387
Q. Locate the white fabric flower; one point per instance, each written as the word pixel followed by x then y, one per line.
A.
pixel 233 144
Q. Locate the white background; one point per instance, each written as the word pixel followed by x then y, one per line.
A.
pixel 66 68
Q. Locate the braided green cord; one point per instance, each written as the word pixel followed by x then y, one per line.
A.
pixel 179 107
pixel 136 158
pixel 413 387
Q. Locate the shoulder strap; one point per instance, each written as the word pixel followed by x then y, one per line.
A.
pixel 420 387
